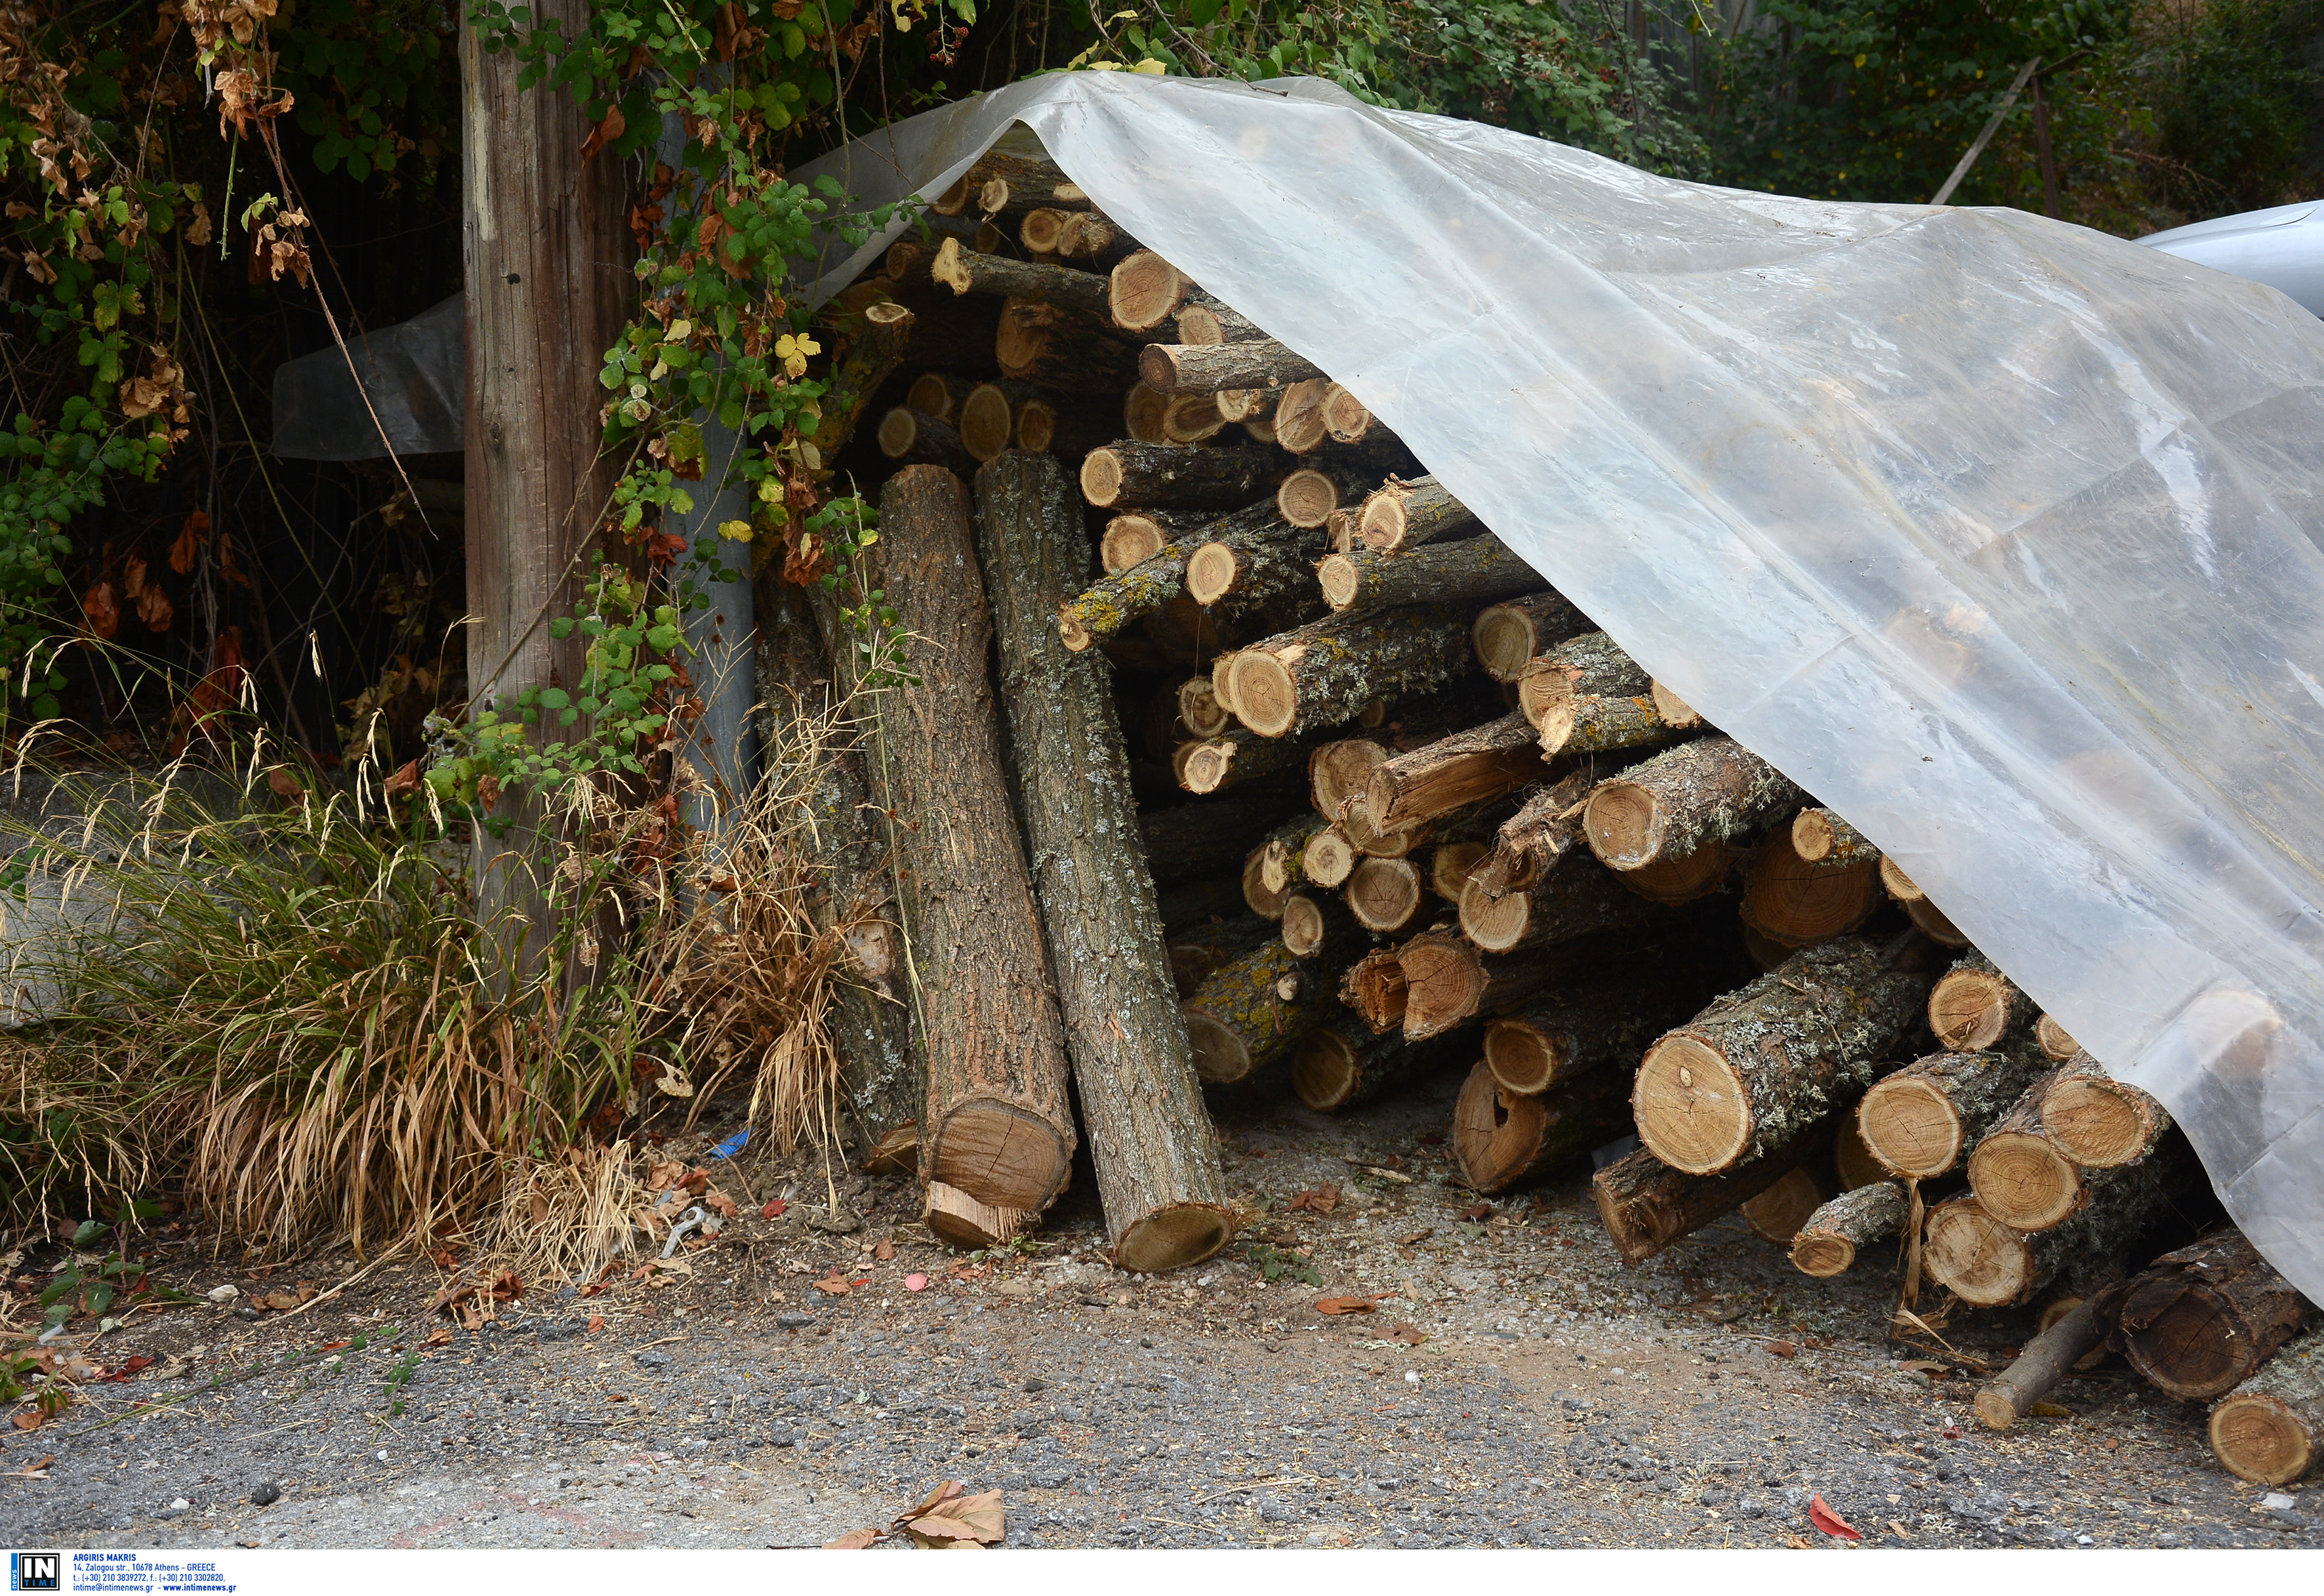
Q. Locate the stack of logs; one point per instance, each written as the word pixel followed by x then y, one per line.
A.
pixel 1322 787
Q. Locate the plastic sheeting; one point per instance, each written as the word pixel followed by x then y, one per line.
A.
pixel 1998 535
pixel 2281 246
pixel 414 375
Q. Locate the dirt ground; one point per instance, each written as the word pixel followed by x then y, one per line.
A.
pixel 1516 1385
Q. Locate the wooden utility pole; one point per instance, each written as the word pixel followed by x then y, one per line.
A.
pixel 548 284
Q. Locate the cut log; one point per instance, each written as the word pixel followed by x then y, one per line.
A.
pixel 1851 1159
pixel 1189 840
pixel 1101 612
pixel 2271 1430
pixel 1283 867
pixel 1090 237
pixel 1743 1076
pixel 1298 422
pixel 1145 290
pixel 1899 885
pixel 1596 723
pixel 1209 368
pixel 1309 496
pixel 1987 1264
pixel 1374 989
pixel 1197 953
pixel 1645 1204
pixel 1821 837
pixel 2020 1176
pixel 1675 712
pixel 1329 859
pixel 1051 427
pixel 1930 922
pixel 1347 418
pixel 1253 1011
pixel 2200 1321
pixel 1509 635
pixel 1042 230
pixel 1235 757
pixel 1011 181
pixel 2097 1121
pixel 1192 418
pixel 1468 572
pixel 997 1126
pixel 1797 904
pixel 1385 895
pixel 1588 663
pixel 1159 1184
pixel 1592 1028
pixel 1713 791
pixel 1249 405
pixel 1449 981
pixel 2055 1040
pixel 1920 1121
pixel 1674 881
pixel 1247 569
pixel 1263 900
pixel 988 418
pixel 1323 674
pixel 1199 709
pixel 1829 1239
pixel 933 393
pixel 1778 1214
pixel 1206 320
pixel 1142 410
pixel 1341 770
pixel 1502 1139
pixel 1318 924
pixel 1975 1008
pixel 1149 474
pixel 2035 1372
pixel 964 1222
pixel 1184 631
pixel 1451 773
pixel 909 437
pixel 1450 866
pixel 1580 897
pixel 1544 830
pixel 1408 514
pixel 1343 1065
pixel 965 271
pixel 1061 348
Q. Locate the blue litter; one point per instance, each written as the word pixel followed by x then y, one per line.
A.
pixel 733 1144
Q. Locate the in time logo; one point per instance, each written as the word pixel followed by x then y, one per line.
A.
pixel 36 1570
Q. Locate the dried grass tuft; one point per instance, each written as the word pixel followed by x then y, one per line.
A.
pixel 566 1217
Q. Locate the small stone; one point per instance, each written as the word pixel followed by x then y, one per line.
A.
pixel 225 1293
pixel 267 1494
pixel 180 1505
pixel 2277 1500
pixel 653 1359
pixel 793 1320
pixel 1032 1386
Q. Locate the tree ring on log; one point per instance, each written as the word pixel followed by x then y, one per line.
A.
pixel 1384 894
pixel 1101 476
pixel 2055 1042
pixel 963 1221
pixel 1681 880
pixel 2099 1121
pixel 1625 825
pixel 1974 1255
pixel 1174 1237
pixel 1691 1110
pixel 1266 697
pixel 1778 1214
pixel 1442 985
pixel 1969 1010
pixel 1329 858
pixel 1911 1126
pixel 1307 499
pixel 1522 1058
pixel 1323 1072
pixel 1220 1054
pixel 1900 885
pixel 1495 1132
pixel 2023 1181
pixel 1822 1253
pixel 998 1147
pixel 1211 573
pixel 1496 924
pixel 2261 1438
pixel 1503 639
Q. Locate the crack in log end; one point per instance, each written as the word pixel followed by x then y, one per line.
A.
pixel 1690 1106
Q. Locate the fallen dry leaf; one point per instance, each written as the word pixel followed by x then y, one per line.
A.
pixel 140 1361
pixel 442 1338
pixel 854 1540
pixel 947 1519
pixel 1477 1212
pixel 1782 1349
pixel 916 1282
pixel 884 1252
pixel 1411 1336
pixel 1336 1305
pixel 773 1210
pixel 1820 1515
pixel 35 1471
pixel 1317 1199
pixel 597 1323
pixel 1934 1370
pixel 31 1419
pixel 1417 1238
pixel 719 1204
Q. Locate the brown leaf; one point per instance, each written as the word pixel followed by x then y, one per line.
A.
pixel 854 1540
pixel 1782 1349
pixel 1820 1515
pixel 1478 1212
pixel 31 1419
pixel 441 1339
pixel 286 785
pixel 101 609
pixel 975 1520
pixel 1411 1336
pixel 187 546
pixel 719 1204
pixel 884 1250
pixel 1336 1305
pixel 606 131
pixel 1317 1199
pixel 597 1323
pixel 154 608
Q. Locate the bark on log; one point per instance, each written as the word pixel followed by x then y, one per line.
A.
pixel 1204 319
pixel 1091 237
pixel 1060 348
pixel 2020 1174
pixel 1253 1011
pixel 1385 895
pixel 1323 674
pixel 1645 1204
pixel 1194 905
pixel 1987 1264
pixel 2055 1040
pixel 1250 568
pixel 1587 663
pixel 1819 836
pixel 1596 723
pixel 1675 712
pixel 1596 1028
pixel 1374 989
pixel 1144 290
pixel 1196 954
pixel 1343 1065
pixel 1451 773
pixel 1580 897
pixel 1708 792
pixel 1502 1139
pixel 1508 635
pixel 1316 923
pixel 1470 572
pixel 1101 612
pixel 1209 368
pixel 2199 1322
pixel 1189 840
pixel 1828 1242
pixel 1408 514
pixel 2271 1430
pixel 2035 1372
pixel 998 1124
pixel 1284 868
pixel 1974 1007
pixel 1781 1052
pixel 1236 757
pixel 1778 1214
pixel 909 437
pixel 1157 1157
pixel 1530 843
pixel 965 271
pixel 2097 1121
pixel 1191 479
pixel 1920 1121
pixel 1797 904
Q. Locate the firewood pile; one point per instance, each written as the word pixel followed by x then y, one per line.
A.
pixel 1288 774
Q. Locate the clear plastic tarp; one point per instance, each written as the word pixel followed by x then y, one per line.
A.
pixel 1997 535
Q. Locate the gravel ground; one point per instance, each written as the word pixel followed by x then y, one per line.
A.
pixel 1516 1386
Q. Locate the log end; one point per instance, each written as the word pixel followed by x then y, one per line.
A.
pixel 2055 1040
pixel 1689 1105
pixel 1975 1256
pixel 1211 573
pixel 1130 540
pixel 1382 522
pixel 2023 1180
pixel 1495 1132
pixel 1329 858
pixel 1206 765
pixel 949 269
pixel 1967 1009
pixel 962 1221
pixel 898 429
pixel 1813 838
pixel 1800 904
pixel 1672 710
pixel 1341 580
pixel 1384 894
pixel 1222 1057
pixel 1900 885
pixel 1494 924
pixel 1443 984
pixel 986 421
pixel 1076 636
pixel 1778 1214
pixel 1000 1155
pixel 1173 1237
pixel 1323 1072
pixel 1822 1253
pixel 1192 418
pixel 1503 639
pixel 2099 1123
pixel 1265 695
pixel 1144 291
pixel 1624 825
pixel 1305 926
pixel 1995 1410
pixel 2194 1347
pixel 1522 1056
pixel 1911 1126
pixel 2261 1439
pixel 1101 476
pixel 1142 410
pixel 1307 498
pixel 1930 922
pixel 1852 1159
